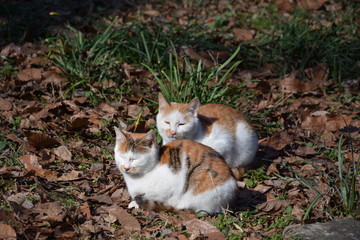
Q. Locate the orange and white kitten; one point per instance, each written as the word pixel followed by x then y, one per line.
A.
pixel 218 126
pixel 182 174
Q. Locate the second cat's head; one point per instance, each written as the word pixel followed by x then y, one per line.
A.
pixel 135 153
pixel 177 120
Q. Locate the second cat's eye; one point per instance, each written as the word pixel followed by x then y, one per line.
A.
pixel 181 124
pixel 167 122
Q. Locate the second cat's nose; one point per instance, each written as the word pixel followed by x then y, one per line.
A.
pixel 126 169
pixel 172 133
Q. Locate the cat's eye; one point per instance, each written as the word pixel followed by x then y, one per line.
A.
pixel 181 124
pixel 167 122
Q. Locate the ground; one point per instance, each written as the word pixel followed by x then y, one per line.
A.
pixel 295 76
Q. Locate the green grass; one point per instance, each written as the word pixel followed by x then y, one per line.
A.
pixel 232 225
pixel 256 176
pixel 343 183
pixel 183 81
pixel 302 42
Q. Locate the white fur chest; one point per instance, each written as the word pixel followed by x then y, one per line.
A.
pixel 160 184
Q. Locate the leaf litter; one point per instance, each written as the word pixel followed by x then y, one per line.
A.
pixel 62 182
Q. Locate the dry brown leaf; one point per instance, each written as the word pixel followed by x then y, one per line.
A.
pixel 40 140
pixel 54 79
pixel 78 123
pixel 29 74
pixel 323 122
pixel 152 12
pixel 73 175
pixel 196 226
pixel 278 142
pixel 273 205
pixel 318 74
pixel 337 122
pixel 311 4
pixel 10 48
pixel 242 34
pixel 5 104
pixel 262 188
pixel 101 199
pixel 31 164
pixel 108 108
pixel 272 169
pixel 85 209
pixel 126 220
pixel 134 110
pixel 50 211
pixel 63 153
pixel 7 232
pixel 285 5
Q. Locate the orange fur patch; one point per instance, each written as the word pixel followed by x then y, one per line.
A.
pixel 221 114
pixel 206 168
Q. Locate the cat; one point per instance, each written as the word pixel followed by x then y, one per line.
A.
pixel 181 175
pixel 218 126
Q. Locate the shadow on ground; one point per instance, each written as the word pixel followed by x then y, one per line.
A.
pixel 28 21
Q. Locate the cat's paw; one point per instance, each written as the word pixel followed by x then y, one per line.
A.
pixel 133 204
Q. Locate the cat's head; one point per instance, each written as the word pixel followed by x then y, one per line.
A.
pixel 135 153
pixel 177 120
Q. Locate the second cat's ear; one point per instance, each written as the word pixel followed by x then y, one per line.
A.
pixel 163 103
pixel 120 136
pixel 150 136
pixel 194 106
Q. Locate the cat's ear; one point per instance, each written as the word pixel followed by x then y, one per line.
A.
pixel 194 106
pixel 150 138
pixel 163 103
pixel 120 136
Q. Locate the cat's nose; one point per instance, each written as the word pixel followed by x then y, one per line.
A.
pixel 172 133
pixel 126 169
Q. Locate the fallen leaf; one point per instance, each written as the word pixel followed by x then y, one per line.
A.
pixel 273 205
pixel 311 4
pixel 40 140
pixel 29 74
pixel 337 122
pixel 63 153
pixel 322 122
pixel 7 232
pixel 134 110
pixel 101 199
pixel 196 226
pixel 85 209
pixel 127 221
pixel 78 123
pixel 278 142
pixel 54 79
pixel 108 108
pixel 73 175
pixel 318 74
pixel 31 164
pixel 50 211
pixel 5 104
pixel 151 12
pixel 241 34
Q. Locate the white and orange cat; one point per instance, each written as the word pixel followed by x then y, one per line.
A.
pixel 182 174
pixel 218 126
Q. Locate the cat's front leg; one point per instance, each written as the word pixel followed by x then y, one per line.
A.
pixel 133 204
pixel 136 201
